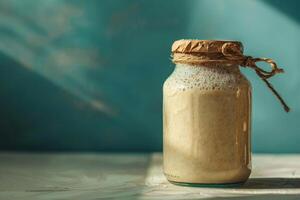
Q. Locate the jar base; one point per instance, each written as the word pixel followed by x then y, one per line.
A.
pixel 210 185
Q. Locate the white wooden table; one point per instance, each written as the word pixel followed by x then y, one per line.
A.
pixel 133 176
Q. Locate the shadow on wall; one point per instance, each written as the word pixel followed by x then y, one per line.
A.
pixel 36 114
pixel 61 61
pixel 288 7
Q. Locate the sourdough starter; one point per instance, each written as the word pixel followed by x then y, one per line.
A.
pixel 206 112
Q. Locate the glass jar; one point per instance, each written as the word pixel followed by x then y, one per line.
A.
pixel 207 114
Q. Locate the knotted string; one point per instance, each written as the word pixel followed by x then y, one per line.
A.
pixel 250 62
pixel 233 52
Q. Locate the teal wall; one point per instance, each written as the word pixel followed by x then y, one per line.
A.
pixel 87 75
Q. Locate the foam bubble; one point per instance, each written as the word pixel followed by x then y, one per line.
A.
pixel 187 77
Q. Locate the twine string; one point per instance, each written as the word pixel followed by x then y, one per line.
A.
pixel 250 62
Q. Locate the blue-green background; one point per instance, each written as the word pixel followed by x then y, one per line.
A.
pixel 87 75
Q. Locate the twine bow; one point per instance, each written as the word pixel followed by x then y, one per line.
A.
pixel 233 52
pixel 264 75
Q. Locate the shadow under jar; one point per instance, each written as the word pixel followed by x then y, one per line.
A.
pixel 207 115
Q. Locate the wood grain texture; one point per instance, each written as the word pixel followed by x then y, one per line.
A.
pixel 133 176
